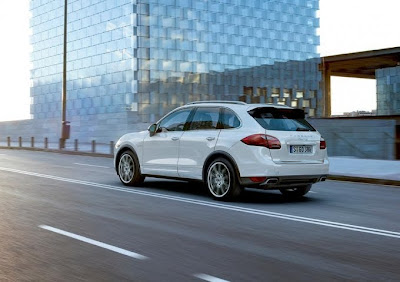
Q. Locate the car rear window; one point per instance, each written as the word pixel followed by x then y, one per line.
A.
pixel 281 119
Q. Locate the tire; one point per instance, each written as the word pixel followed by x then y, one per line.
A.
pixel 129 169
pixel 295 192
pixel 221 180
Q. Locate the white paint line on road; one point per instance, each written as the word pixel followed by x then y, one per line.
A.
pixel 94 242
pixel 333 224
pixel 92 165
pixel 209 278
pixel 312 192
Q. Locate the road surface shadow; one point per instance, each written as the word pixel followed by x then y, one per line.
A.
pixel 258 196
pixel 184 187
pixel 248 196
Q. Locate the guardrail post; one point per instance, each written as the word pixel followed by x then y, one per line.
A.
pixel 9 141
pixel 76 145
pixel 20 141
pixel 46 143
pixel 112 147
pixel 60 144
pixel 32 142
pixel 93 146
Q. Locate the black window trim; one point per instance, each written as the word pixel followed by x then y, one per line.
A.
pixel 191 116
pixel 223 113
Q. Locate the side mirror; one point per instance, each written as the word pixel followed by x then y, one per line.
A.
pixel 152 129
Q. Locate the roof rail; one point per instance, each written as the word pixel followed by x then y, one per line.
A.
pixel 218 101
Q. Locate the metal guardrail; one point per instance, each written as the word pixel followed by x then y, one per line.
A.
pixel 70 146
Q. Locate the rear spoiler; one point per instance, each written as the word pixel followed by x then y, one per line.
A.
pixel 289 113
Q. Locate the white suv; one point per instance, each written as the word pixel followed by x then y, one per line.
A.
pixel 227 145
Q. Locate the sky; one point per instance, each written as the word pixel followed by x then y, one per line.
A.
pixel 14 60
pixel 346 26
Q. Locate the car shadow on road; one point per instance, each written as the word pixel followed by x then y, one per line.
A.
pixel 249 196
pixel 258 196
pixel 182 187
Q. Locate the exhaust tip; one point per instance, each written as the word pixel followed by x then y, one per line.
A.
pixel 271 181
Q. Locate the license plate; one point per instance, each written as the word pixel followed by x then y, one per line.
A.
pixel 300 149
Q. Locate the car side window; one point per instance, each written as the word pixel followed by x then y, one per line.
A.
pixel 229 119
pixel 175 121
pixel 205 118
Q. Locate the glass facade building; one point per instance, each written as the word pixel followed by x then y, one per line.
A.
pixel 131 61
pixel 388 91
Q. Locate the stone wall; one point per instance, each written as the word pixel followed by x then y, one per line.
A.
pixel 362 138
pixel 39 129
pixel 103 128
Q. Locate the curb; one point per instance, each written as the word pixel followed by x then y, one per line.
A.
pixel 364 180
pixel 65 152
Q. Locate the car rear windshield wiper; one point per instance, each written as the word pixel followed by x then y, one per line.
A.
pixel 302 129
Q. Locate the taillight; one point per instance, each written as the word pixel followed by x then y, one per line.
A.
pixel 263 140
pixel 322 144
pixel 258 179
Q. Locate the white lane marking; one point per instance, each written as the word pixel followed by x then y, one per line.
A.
pixel 94 242
pixel 312 192
pixel 209 278
pixel 92 165
pixel 338 225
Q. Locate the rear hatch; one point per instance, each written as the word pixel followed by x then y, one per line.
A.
pixel 300 142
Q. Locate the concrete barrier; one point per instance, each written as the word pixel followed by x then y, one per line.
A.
pixel 362 138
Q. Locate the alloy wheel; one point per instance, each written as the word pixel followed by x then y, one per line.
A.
pixel 219 179
pixel 126 168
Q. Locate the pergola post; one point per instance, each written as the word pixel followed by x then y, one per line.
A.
pixel 326 76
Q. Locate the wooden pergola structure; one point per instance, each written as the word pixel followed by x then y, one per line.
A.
pixel 357 65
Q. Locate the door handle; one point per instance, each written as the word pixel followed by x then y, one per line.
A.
pixel 175 138
pixel 210 138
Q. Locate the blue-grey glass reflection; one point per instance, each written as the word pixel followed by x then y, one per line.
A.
pixel 158 54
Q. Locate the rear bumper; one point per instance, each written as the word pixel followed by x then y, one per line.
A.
pixel 276 182
pixel 256 161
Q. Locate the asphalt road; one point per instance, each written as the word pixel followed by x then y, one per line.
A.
pixel 68 218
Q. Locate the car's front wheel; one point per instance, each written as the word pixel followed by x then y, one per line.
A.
pixel 129 170
pixel 295 192
pixel 221 180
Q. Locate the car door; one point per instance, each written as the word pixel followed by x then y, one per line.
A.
pixel 160 151
pixel 198 142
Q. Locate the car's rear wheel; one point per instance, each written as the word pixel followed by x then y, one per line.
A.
pixel 295 192
pixel 129 170
pixel 222 180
